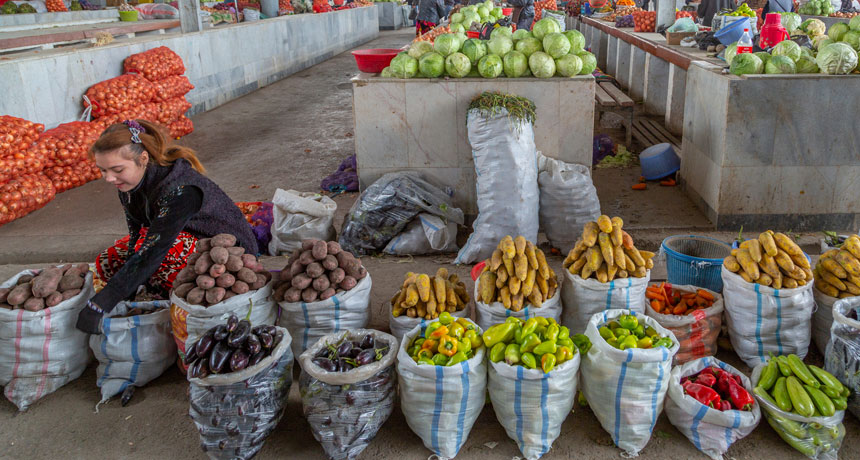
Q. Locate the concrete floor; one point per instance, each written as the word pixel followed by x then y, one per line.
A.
pixel 291 135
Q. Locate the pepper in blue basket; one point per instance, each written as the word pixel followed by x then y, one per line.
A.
pixel 168 205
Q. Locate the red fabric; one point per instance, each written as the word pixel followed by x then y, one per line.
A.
pixel 113 258
pixel 422 27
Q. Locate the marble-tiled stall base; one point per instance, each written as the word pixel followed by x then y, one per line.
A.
pixel 622 66
pixel 7 20
pixel 390 16
pixel 218 67
pixel 420 124
pixel 637 73
pixel 656 84
pixel 754 157
pixel 674 119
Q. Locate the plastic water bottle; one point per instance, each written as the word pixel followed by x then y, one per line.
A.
pixel 745 43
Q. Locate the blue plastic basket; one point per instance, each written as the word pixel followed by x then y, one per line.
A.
pixel 732 32
pixel 659 161
pixel 695 260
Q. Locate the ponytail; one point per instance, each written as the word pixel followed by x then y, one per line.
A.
pixel 161 150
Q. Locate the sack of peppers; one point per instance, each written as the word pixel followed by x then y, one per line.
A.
pixel 693 314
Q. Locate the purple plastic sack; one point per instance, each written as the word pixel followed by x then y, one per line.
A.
pixel 261 225
pixel 345 179
pixel 603 147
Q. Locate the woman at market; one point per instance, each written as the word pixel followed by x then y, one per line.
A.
pixel 168 205
pixel 430 14
pixel 524 13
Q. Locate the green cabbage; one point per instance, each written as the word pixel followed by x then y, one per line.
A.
pixel 837 59
pixel 529 45
pixel 556 45
pixel 419 49
pixel 576 39
pixel 730 53
pixel 787 48
pixel 852 38
pixel 446 44
pixel 483 12
pixel 764 56
pixel 497 13
pixel 501 32
pixel 457 18
pixel 473 73
pixel 457 28
pixel 469 17
pixel 386 73
pixel 515 64
pixel 521 34
pixel 500 46
pixel 545 27
pixel 458 65
pixel 854 23
pixel 490 66
pixel 813 27
pixel 790 21
pixel 821 41
pixel 432 65
pixel 837 30
pixel 474 49
pixel 804 51
pixel 568 65
pixel 589 62
pixel 404 66
pixel 780 64
pixel 542 65
pixel 746 63
pixel 807 64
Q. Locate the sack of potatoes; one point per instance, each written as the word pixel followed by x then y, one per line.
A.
pixel 318 271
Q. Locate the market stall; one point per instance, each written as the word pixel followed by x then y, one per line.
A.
pixel 393 14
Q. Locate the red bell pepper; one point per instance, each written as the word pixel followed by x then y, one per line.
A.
pixel 725 405
pixel 723 383
pixel 741 398
pixel 685 380
pixel 706 379
pixel 703 394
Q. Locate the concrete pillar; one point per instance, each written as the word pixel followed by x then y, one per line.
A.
pixel 665 12
pixel 189 16
pixel 623 64
pixel 586 32
pixel 656 85
pixel 637 73
pixel 611 54
pixel 602 45
pixel 675 101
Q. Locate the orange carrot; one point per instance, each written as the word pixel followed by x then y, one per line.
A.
pixel 668 183
pixel 639 186
pixel 679 310
pixel 705 294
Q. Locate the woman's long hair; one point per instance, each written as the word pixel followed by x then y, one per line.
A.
pixel 161 150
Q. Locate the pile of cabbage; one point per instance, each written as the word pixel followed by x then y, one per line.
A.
pixel 835 53
pixel 481 14
pixel 543 52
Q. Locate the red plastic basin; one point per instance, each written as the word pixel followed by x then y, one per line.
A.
pixel 374 60
pixel 507 11
pixel 473 34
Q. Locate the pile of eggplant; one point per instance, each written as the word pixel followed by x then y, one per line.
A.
pixel 231 347
pixel 346 355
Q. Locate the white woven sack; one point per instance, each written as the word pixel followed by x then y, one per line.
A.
pixel 712 431
pixel 133 350
pixel 424 234
pixel 307 322
pixel 583 298
pixel 822 319
pixel 532 405
pixel 298 216
pixel 763 320
pixel 42 351
pixel 626 388
pixel 441 403
pixel 568 200
pixel 697 332
pixel 402 324
pixel 495 313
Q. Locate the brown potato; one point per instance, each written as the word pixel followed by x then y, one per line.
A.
pixel 343 258
pixel 362 272
pixel 237 251
pixel 284 275
pixel 229 295
pixel 71 280
pixel 46 283
pixel 292 294
pixel 327 294
pixel 219 255
pixel 192 258
pixel 336 276
pixel 278 295
pixel 309 295
pixel 183 289
pixel 203 264
pixel 226 280
pixel 333 247
pixel 329 262
pixel 301 281
pixel 66 268
pixel 297 268
pixel 4 292
pixel 205 282
pixel 234 264
pixel 352 268
pixel 348 283
pixel 34 304
pixel 240 287
pixel 261 281
pixel 54 299
pixel 224 240
pixel 69 294
pixel 308 244
pixel 19 294
pixel 319 250
pixel 315 270
pixel 217 270
pixel 186 274
pixel 203 245
pixel 321 284
pixel 306 257
pixel 247 275
pixel 196 296
pixel 215 295
pixel 83 268
pixel 249 259
pixel 24 279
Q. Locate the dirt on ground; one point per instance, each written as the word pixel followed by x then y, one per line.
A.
pixel 291 135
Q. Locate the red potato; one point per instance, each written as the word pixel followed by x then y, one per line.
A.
pixel 336 276
pixel 362 272
pixel 278 295
pixel 308 244
pixel 34 304
pixel 315 270
pixel 247 275
pixel 54 299
pixel 70 294
pixel 255 267
pixel 224 240
pixel 203 245
pixel 301 281
pixel 19 294
pixel 217 270
pixel 329 262
pixel 4 292
pixel 353 268
pixel 219 255
pixel 229 295
pixel 234 264
pixel 333 247
pixel 236 251
pixel 322 283
pixel 327 294
pixel 186 274
pixel 215 295
pixel 319 250
pixel 83 268
pixel 309 295
pixel 203 264
pixel 240 287
pixel 261 281
pixel 306 258
pixel 225 281
pixel 284 275
pixel 292 295
pixel 24 279
pixel 46 283
pixel 71 280
pixel 192 258
pixel 196 296
pixel 348 283
pixel 66 268
pixel 297 268
pixel 249 259
pixel 183 289
pixel 205 282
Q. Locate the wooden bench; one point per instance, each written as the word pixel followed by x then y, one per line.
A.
pixel 611 99
pixel 649 132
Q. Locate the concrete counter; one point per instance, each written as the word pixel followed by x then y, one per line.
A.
pixel 391 16
pixel 420 124
pixel 222 63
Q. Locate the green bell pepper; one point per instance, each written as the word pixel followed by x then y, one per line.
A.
pixel 644 342
pixel 528 360
pixel 497 353
pixel 545 347
pixel 418 342
pixel 458 358
pixel 518 333
pixel 628 321
pixel 446 319
pixel 664 342
pixel 629 342
pixel 426 361
pixel 552 332
pixel 474 338
pixel 639 332
pixel 651 332
pixel 529 326
pixel 563 333
pixel 512 354
pixel 582 343
pixel 563 354
pixel 499 333
pixel 547 362
pixel 606 333
pixel 439 359
pixel 529 343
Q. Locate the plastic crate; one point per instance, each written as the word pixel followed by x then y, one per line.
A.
pixel 695 260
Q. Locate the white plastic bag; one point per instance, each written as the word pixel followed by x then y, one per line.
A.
pixel 235 412
pixel 156 11
pixel 842 358
pixel 189 322
pixel 532 405
pixel 697 332
pixel 441 403
pixel 346 409
pixel 133 350
pixel 568 200
pixel 307 322
pixel 818 438
pixel 402 324
pixel 762 320
pixel 503 150
pixel 626 388
pixel 684 24
pixel 559 18
pixel 495 313
pixel 42 351
pixel 583 298
pixel 425 234
pixel 822 319
pixel 298 216
pixel 712 431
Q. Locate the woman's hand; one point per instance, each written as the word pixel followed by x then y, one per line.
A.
pixel 90 319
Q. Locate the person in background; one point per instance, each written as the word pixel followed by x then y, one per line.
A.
pixel 430 13
pixel 708 8
pixel 168 205
pixel 524 13
pixel 449 4
pixel 777 6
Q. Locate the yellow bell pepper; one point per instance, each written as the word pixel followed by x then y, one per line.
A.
pixel 447 345
pixel 456 330
pixel 429 344
pixel 438 332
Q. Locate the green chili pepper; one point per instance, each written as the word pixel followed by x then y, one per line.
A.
pixel 552 332
pixel 551 321
pixel 529 343
pixel 518 333
pixel 499 333
pixel 426 361
pixel 563 333
pixel 458 358
pixel 439 359
pixel 582 342
pixel 606 333
pixel 545 347
pixel 497 353
pixel 512 354
pixel 464 345
pixel 629 342
pixel 530 326
pixel 432 327
pixel 542 321
pixel 547 362
pixel 628 321
pixel 528 360
pixel 513 320
pixel 445 318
